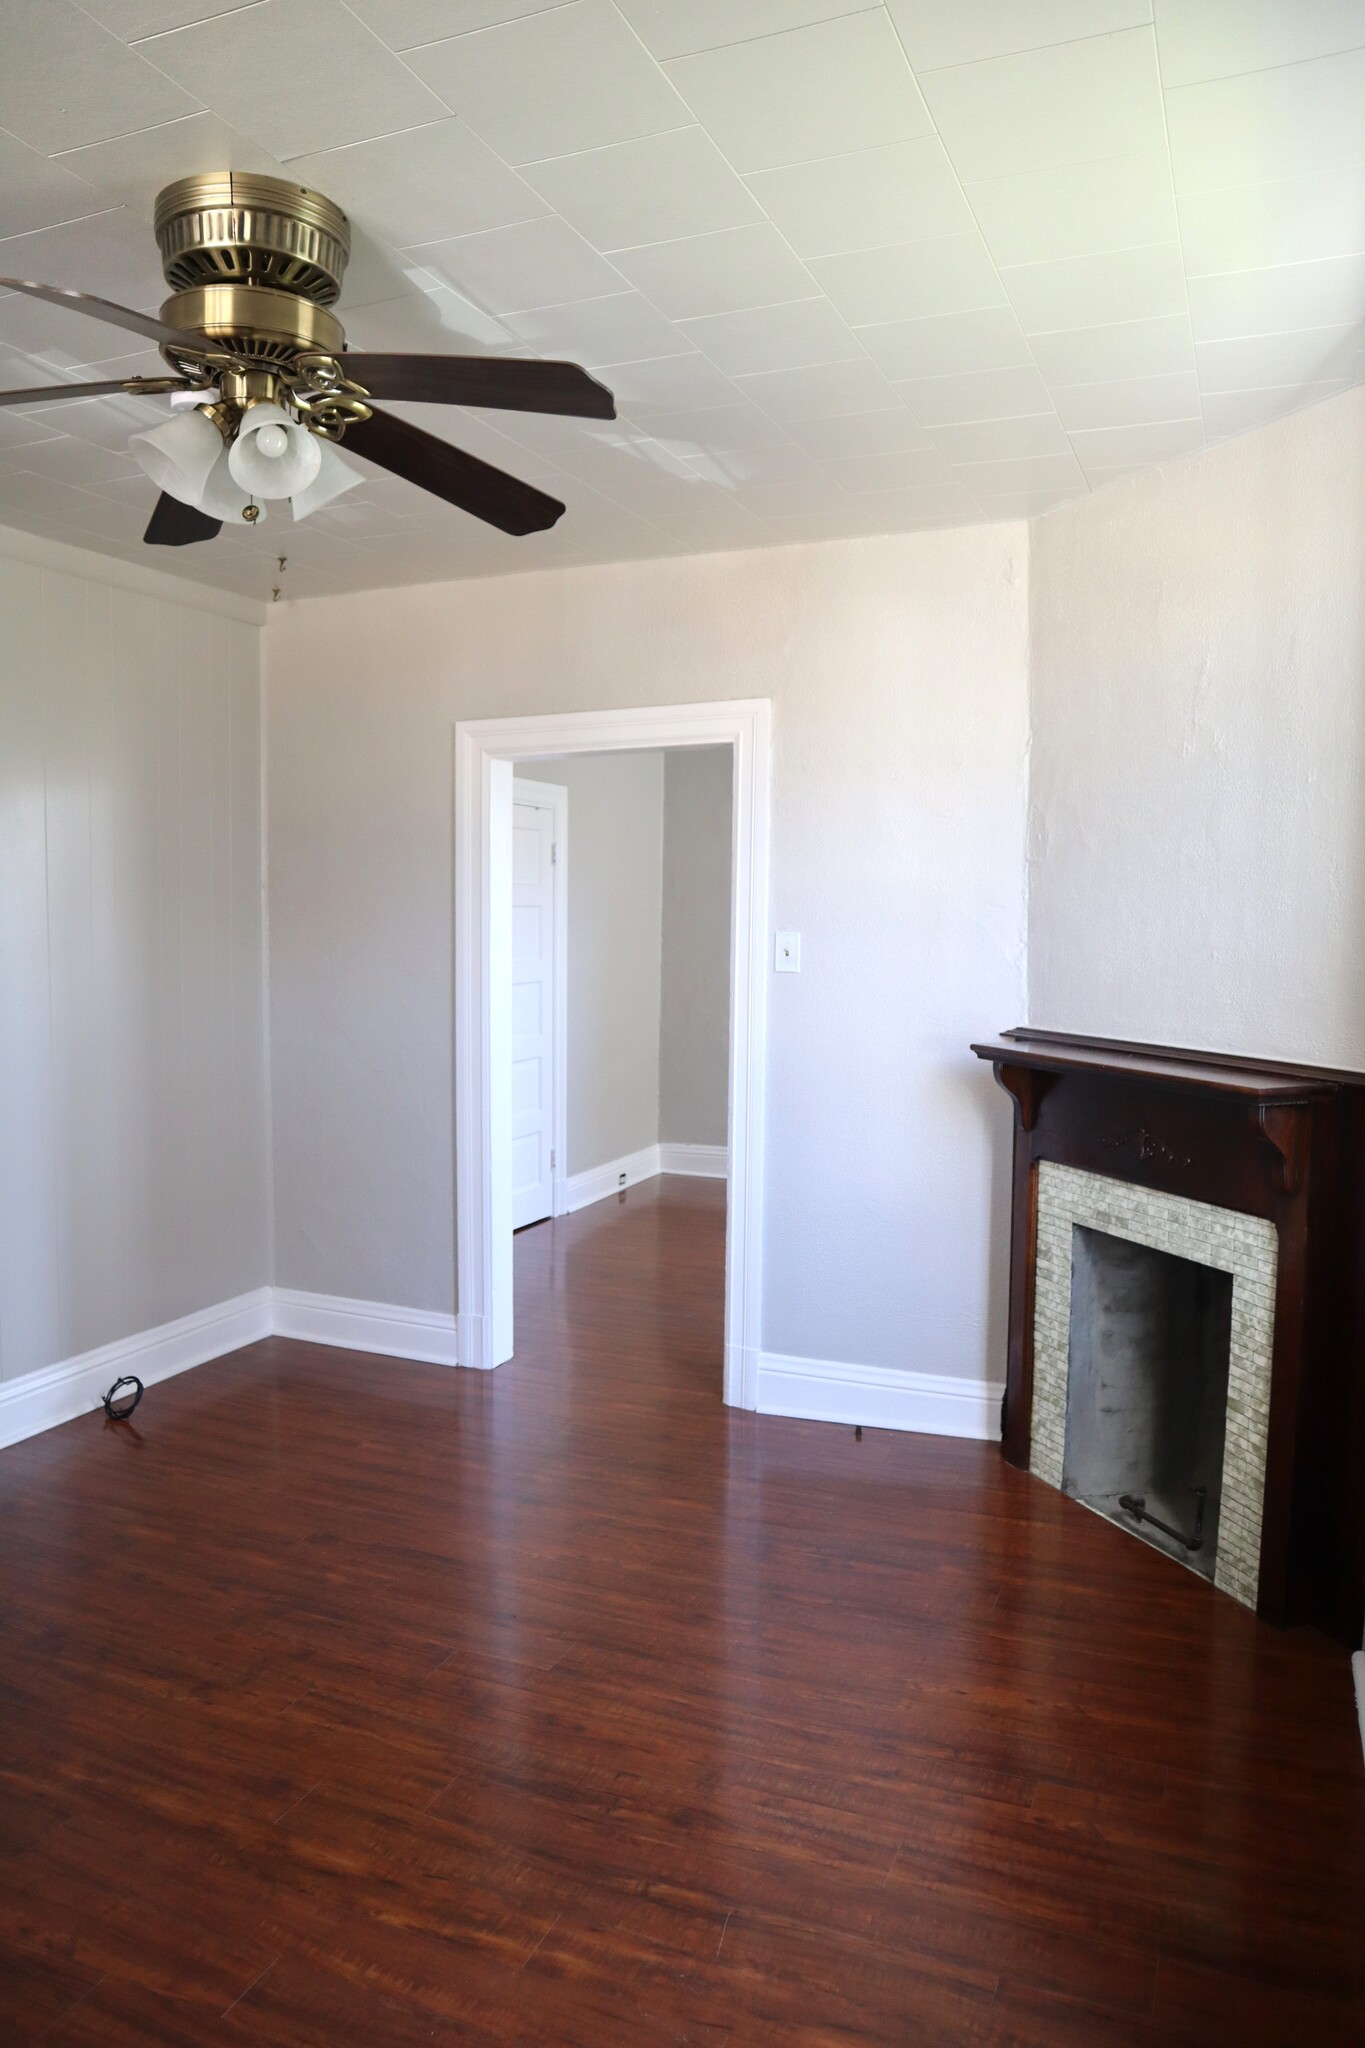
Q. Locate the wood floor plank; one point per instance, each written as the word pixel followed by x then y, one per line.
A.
pixel 356 1700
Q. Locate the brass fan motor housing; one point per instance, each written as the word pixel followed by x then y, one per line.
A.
pixel 256 323
pixel 239 228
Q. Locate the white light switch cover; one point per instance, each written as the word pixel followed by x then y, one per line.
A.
pixel 787 953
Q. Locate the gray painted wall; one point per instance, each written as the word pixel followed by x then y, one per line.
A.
pixel 694 1006
pixel 897 670
pixel 1197 859
pixel 616 830
pixel 133 1128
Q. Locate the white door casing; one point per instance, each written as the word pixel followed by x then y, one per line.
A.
pixel 485 751
pixel 535 1018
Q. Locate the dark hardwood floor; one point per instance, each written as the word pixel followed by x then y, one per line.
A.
pixel 349 1701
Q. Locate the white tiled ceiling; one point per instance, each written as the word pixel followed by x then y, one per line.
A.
pixel 850 268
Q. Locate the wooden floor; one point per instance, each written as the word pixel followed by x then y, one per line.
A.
pixel 348 1701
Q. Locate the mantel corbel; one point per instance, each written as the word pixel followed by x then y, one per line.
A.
pixel 1027 1085
pixel 1286 1127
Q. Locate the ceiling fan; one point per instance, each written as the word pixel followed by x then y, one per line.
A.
pixel 263 386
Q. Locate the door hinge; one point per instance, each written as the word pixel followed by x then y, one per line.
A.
pixel 554 853
pixel 552 1162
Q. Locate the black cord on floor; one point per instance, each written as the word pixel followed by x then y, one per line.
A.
pixel 126 1406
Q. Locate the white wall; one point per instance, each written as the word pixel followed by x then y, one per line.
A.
pixel 1197 838
pixel 615 869
pixel 133 1130
pixel 897 670
pixel 694 1006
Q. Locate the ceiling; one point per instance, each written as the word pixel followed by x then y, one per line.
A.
pixel 849 268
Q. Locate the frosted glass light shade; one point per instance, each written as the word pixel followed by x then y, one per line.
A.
pixel 334 476
pixel 223 497
pixel 179 455
pixel 273 456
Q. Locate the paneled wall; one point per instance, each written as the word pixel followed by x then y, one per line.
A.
pixel 133 1124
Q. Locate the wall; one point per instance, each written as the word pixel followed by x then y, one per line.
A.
pixel 897 671
pixel 1197 834
pixel 133 1128
pixel 615 868
pixel 694 1023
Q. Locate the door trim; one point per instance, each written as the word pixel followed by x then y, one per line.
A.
pixel 554 796
pixel 485 751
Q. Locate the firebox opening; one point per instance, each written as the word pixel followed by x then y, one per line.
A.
pixel 1147 1388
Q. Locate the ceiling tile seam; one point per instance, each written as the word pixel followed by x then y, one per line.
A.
pixel 201 21
pixel 158 35
pixel 1290 263
pixel 1179 223
pixel 401 57
pixel 465 35
pixel 75 221
pixel 766 36
pixel 514 312
pixel 82 148
pixel 1263 70
pixel 759 169
pixel 1103 35
pixel 1090 255
pixel 252 7
pixel 564 156
pixel 966 200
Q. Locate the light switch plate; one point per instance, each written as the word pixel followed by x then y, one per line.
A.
pixel 787 953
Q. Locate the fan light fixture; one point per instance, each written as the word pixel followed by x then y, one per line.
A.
pixel 263 385
pixel 272 456
pixel 179 456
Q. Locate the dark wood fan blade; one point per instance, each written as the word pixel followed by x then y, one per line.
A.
pixel 174 524
pixel 140 387
pixel 105 309
pixel 449 473
pixel 500 381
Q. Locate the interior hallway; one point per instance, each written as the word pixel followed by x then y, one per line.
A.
pixel 350 1701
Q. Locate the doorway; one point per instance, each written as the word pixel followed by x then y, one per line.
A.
pixel 486 755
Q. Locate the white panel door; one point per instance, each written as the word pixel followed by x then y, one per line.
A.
pixel 533 1009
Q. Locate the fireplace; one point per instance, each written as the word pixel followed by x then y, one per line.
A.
pixel 1187 1309
pixel 1148 1351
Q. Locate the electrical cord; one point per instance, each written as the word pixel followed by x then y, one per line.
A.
pixel 122 1413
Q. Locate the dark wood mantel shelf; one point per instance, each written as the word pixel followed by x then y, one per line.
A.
pixel 1262 1137
pixel 1213 1075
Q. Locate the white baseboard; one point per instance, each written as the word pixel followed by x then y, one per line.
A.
pixel 582 1189
pixel 75 1386
pixel 418 1333
pixel 815 1390
pixel 703 1162
pixel 825 1390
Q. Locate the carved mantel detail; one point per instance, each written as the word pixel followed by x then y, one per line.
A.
pixel 1148 1147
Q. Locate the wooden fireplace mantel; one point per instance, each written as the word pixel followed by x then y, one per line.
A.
pixel 1266 1138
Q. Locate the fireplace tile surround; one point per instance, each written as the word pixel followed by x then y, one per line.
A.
pixel 1244 1246
pixel 1251 1168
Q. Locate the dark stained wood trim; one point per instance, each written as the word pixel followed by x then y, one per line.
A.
pixel 1266 1139
pixel 1027 1086
pixel 1258 1084
pixel 1025 1033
